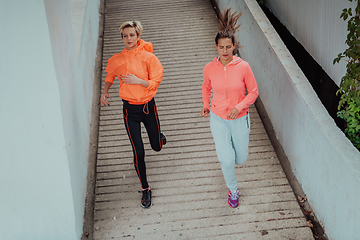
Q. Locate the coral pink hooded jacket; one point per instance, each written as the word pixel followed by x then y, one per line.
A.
pixel 140 62
pixel 228 85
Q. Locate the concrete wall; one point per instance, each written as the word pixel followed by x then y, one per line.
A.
pixel 318 27
pixel 46 99
pixel 323 160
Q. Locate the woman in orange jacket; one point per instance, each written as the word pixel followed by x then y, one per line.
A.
pixel 228 76
pixel 139 72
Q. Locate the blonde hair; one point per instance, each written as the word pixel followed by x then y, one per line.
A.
pixel 134 24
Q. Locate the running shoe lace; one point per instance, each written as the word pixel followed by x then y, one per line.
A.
pixel 234 195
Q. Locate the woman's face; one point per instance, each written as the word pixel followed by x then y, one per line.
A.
pixel 130 38
pixel 225 49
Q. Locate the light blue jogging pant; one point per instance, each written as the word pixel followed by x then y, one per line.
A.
pixel 231 139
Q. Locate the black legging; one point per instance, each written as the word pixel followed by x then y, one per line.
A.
pixel 133 115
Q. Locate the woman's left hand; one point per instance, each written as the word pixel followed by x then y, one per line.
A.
pixel 233 114
pixel 130 79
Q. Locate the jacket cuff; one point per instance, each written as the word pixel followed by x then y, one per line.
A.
pixel 240 107
pixel 206 105
pixel 109 80
pixel 151 85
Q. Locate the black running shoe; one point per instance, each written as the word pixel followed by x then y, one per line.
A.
pixel 146 198
pixel 163 138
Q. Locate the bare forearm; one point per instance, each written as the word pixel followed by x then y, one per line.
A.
pixel 106 87
pixel 133 79
pixel 143 83
pixel 105 94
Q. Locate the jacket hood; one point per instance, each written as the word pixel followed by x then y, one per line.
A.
pixel 143 45
pixel 236 60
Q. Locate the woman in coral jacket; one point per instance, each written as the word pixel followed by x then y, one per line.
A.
pixel 228 77
pixel 139 72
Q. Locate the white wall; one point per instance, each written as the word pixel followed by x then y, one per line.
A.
pixel 318 27
pixel 46 95
pixel 323 160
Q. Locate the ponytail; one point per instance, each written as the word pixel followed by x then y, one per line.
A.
pixel 228 27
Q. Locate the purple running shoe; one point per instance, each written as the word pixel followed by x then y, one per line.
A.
pixel 233 199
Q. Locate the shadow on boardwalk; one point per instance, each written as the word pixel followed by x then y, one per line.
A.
pixel 189 192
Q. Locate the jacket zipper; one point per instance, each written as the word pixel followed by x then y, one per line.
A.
pixel 227 98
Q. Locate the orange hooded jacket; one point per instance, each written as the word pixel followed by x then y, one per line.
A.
pixel 140 62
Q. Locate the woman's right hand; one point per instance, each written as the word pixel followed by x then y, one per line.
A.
pixel 205 112
pixel 103 99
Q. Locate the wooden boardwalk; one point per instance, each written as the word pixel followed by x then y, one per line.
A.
pixel 189 191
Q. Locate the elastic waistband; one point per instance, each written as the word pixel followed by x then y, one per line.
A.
pixel 145 108
pixel 152 101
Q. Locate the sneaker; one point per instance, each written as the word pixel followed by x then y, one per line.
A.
pixel 233 199
pixel 146 198
pixel 163 138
